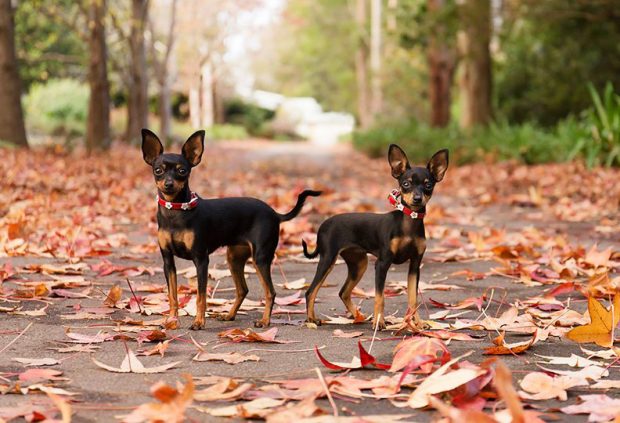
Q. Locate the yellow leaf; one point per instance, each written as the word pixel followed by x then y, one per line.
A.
pixel 601 326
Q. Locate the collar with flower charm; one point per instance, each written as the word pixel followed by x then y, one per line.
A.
pixel 192 203
pixel 395 201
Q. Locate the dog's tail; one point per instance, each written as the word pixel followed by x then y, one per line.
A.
pixel 300 203
pixel 306 253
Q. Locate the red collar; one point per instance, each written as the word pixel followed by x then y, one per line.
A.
pixel 395 201
pixel 192 203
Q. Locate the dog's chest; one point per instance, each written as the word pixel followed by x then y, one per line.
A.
pixel 405 247
pixel 181 242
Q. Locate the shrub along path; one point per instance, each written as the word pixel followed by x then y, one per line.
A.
pixel 512 253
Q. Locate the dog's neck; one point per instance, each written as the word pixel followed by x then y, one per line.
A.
pixel 182 196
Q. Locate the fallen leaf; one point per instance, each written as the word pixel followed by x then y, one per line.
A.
pixel 114 296
pixel 37 361
pixel 409 349
pixel 254 409
pixel 157 349
pixel 230 358
pixel 248 335
pixel 601 408
pixel 506 391
pixel 602 323
pixel 457 415
pixel 226 389
pixel 541 386
pixel 295 412
pixel 131 364
pixel 574 360
pixel 364 360
pixel 442 380
pixel 502 348
pixel 342 334
pixel 171 406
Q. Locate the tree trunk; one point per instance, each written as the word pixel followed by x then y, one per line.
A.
pixel 441 64
pixel 98 125
pixel 361 65
pixel 12 127
pixel 475 79
pixel 206 95
pixel 165 109
pixel 162 75
pixel 137 101
pixel 376 101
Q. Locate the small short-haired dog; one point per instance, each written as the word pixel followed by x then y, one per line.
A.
pixel 393 237
pixel 191 227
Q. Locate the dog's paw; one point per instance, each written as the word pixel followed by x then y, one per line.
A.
pixel 317 322
pixel 225 317
pixel 171 324
pixel 197 325
pixel 261 324
pixel 380 325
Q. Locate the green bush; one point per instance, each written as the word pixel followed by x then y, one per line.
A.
pixel 59 107
pixel 251 117
pixel 526 143
pixel 599 143
pixel 226 132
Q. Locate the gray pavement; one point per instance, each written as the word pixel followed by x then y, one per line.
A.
pixel 103 395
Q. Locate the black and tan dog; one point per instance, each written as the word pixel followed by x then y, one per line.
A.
pixel 393 237
pixel 192 228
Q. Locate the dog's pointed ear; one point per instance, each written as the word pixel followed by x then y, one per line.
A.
pixel 194 147
pixel 151 146
pixel 398 160
pixel 438 164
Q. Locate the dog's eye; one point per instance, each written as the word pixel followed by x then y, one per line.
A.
pixel 406 185
pixel 182 171
pixel 428 186
pixel 158 171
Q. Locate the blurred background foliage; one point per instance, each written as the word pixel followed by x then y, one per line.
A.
pixel 421 77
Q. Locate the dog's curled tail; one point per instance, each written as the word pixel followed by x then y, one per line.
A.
pixel 306 253
pixel 300 203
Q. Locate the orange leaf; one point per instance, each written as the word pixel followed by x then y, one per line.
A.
pixel 602 323
pixel 114 296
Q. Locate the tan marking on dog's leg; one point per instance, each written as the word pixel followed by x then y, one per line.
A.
pixel 237 256
pixel 357 262
pixel 311 298
pixel 264 276
pixel 378 320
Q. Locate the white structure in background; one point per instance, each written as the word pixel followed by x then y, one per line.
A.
pixel 303 117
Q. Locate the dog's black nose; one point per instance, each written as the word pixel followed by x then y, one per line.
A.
pixel 417 198
pixel 168 184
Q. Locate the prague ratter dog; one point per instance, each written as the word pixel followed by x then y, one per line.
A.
pixel 393 237
pixel 191 227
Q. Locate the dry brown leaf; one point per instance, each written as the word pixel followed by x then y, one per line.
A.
pixel 601 408
pixel 338 333
pixel 295 412
pixel 171 406
pixel 442 380
pixel 457 415
pixel 230 357
pixel 37 361
pixel 541 386
pixel 226 389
